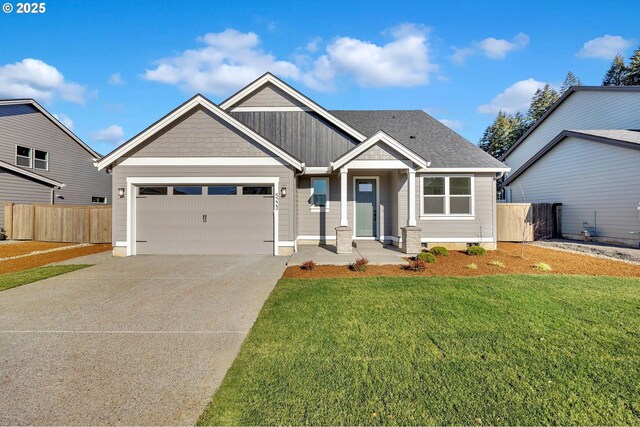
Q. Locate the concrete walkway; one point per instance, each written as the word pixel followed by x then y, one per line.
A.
pixel 326 254
pixel 144 340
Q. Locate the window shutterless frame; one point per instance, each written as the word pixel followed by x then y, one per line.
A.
pixel 447 198
pixel 24 156
pixel 41 159
pixel 314 196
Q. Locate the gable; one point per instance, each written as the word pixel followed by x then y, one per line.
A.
pixel 199 133
pixel 268 96
pixel 380 152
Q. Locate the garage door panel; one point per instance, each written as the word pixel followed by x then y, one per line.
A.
pixel 234 224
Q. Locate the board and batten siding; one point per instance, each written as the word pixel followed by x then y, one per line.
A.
pixel 581 110
pixel 199 133
pixel 69 162
pixel 269 96
pixel 19 189
pixel 323 224
pixel 587 177
pixel 482 226
pixel 284 173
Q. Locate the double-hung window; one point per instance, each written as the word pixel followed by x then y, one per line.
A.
pixel 446 196
pixel 23 156
pixel 41 160
pixel 319 194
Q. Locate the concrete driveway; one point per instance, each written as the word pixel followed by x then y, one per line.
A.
pixel 138 341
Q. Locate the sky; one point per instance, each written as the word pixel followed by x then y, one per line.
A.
pixel 108 69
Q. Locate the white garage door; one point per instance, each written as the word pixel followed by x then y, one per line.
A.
pixel 204 219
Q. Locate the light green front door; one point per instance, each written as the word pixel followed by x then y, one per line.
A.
pixel 366 206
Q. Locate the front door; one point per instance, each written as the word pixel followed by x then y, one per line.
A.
pixel 366 207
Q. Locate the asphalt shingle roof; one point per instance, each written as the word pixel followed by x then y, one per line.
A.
pixel 423 134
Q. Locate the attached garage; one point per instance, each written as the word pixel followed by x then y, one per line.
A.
pixel 204 219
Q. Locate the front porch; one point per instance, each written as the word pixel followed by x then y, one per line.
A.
pixel 375 252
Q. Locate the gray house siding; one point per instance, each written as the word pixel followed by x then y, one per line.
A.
pixel 380 152
pixel 199 134
pixel 68 161
pixel 285 175
pixel 302 134
pixel 269 96
pixel 581 110
pixel 596 183
pixel 19 189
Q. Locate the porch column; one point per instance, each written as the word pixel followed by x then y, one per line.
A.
pixel 411 177
pixel 344 222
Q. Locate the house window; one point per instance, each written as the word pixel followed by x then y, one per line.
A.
pixel 23 156
pixel 222 190
pixel 319 193
pixel 187 191
pixel 447 196
pixel 266 190
pixel 152 191
pixel 41 160
pixel 99 200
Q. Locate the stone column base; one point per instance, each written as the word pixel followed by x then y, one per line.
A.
pixel 411 236
pixel 344 240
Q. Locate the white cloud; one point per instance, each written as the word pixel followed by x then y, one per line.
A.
pixel 228 61
pixel 402 62
pixel 116 79
pixel 605 47
pixel 113 134
pixel 312 46
pixel 33 78
pixel 516 97
pixel 451 124
pixel 490 47
pixel 65 120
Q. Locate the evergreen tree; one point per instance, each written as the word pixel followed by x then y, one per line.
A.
pixel 632 76
pixel 542 100
pixel 502 133
pixel 569 80
pixel 615 76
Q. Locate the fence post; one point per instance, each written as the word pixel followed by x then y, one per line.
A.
pixel 88 239
pixel 8 220
pixel 33 222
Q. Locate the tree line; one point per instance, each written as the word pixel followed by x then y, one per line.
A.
pixel 506 129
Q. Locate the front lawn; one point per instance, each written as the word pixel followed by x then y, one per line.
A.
pixel 487 350
pixel 11 280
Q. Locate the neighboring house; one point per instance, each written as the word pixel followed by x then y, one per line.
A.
pixel 41 161
pixel 584 153
pixel 269 169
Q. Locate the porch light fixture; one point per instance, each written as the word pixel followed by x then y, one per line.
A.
pixel 121 192
pixel 283 192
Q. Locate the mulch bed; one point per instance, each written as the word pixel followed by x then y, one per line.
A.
pixel 508 253
pixel 25 263
pixel 8 250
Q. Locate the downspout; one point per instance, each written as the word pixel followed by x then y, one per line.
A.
pixel 295 204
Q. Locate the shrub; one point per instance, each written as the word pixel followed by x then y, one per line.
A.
pixel 426 257
pixel 497 263
pixel 476 250
pixel 360 265
pixel 542 266
pixel 472 266
pixel 417 265
pixel 308 265
pixel 439 251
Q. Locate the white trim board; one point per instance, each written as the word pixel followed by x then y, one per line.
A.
pixel 270 78
pixel 196 101
pixel 133 182
pixel 202 161
pixel 32 175
pixel 462 170
pixel 447 199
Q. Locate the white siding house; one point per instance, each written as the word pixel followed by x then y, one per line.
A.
pixel 585 154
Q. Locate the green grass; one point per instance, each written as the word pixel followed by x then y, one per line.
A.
pixel 408 351
pixel 11 280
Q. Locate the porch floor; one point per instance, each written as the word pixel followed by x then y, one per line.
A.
pixel 326 255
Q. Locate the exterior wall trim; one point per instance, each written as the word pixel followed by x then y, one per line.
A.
pixel 202 161
pixel 463 170
pixel 446 216
pixel 30 174
pixel 132 182
pixel 267 109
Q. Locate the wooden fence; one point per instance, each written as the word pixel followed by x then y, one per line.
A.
pixel 58 223
pixel 527 221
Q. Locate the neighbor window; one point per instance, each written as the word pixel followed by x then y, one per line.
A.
pixel 23 156
pixel 41 160
pixel 447 195
pixel 187 191
pixel 222 190
pixel 319 193
pixel 99 200
pixel 152 191
pixel 257 190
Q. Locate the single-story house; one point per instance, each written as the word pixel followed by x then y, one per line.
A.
pixel 269 169
pixel 43 162
pixel 584 153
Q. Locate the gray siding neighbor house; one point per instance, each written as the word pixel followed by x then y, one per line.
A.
pixel 584 153
pixel 43 162
pixel 269 169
